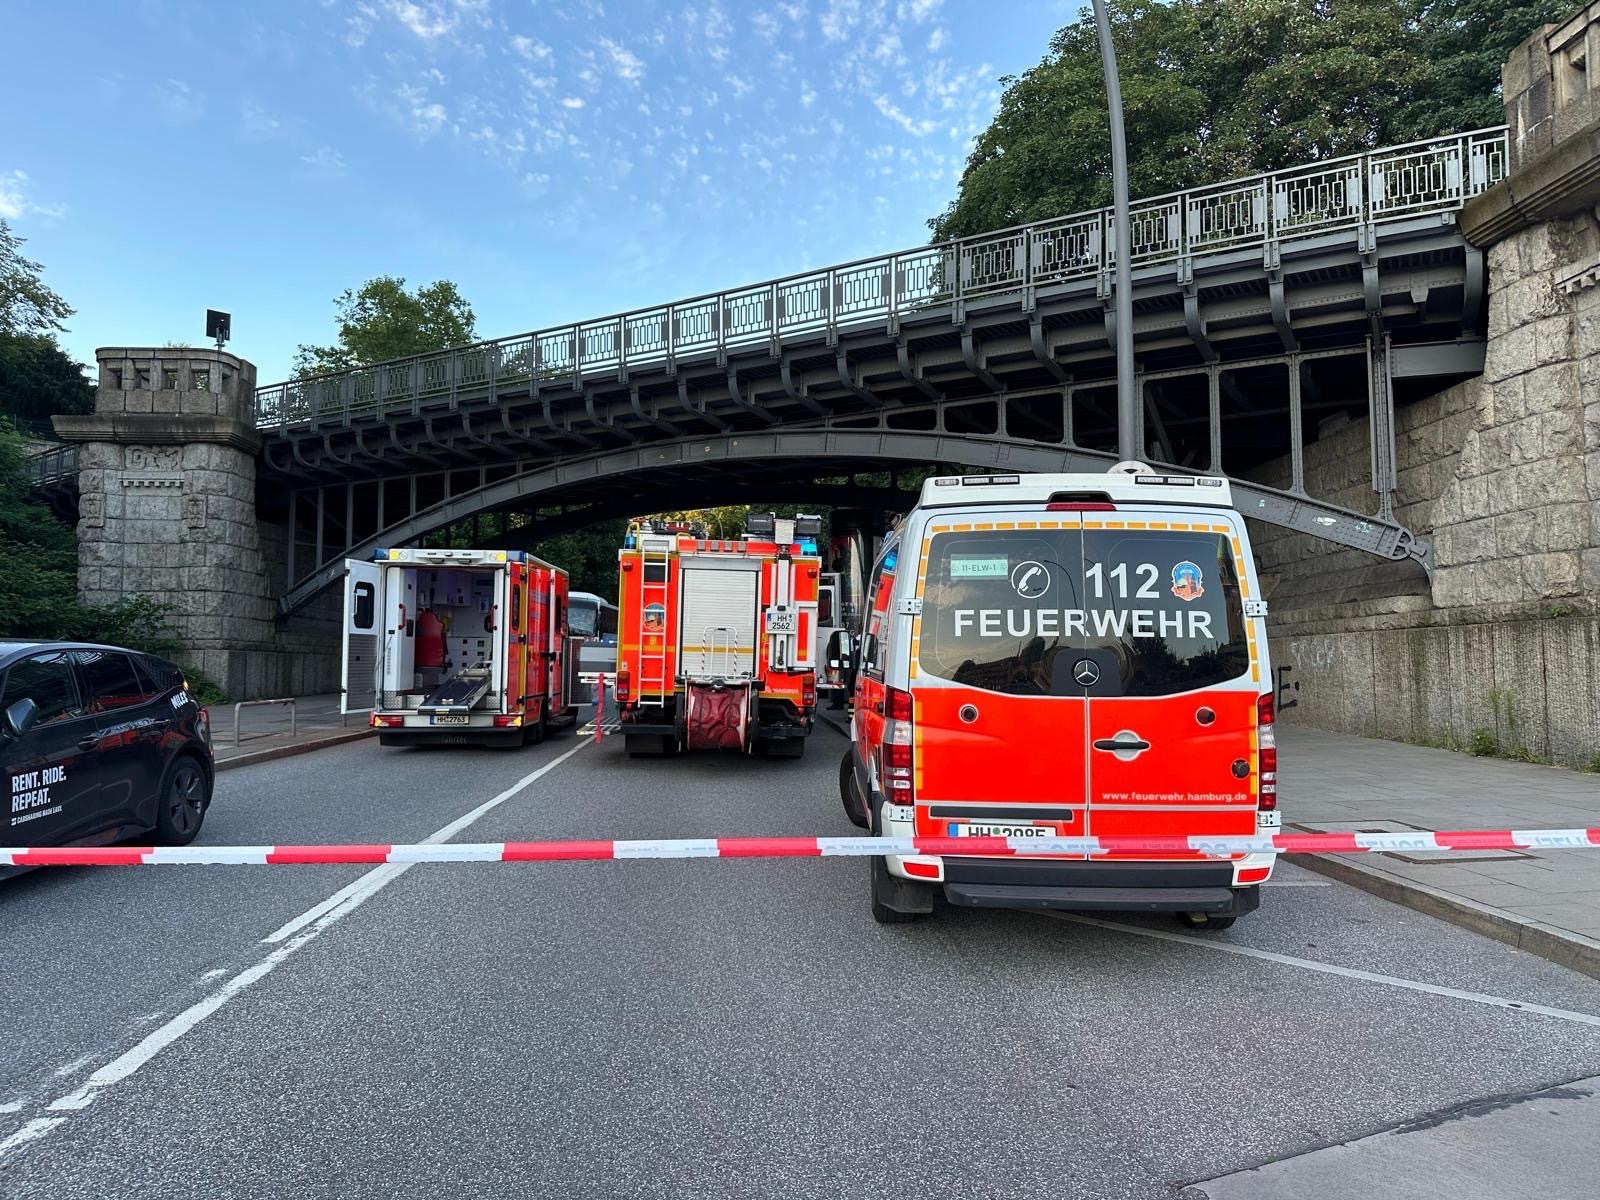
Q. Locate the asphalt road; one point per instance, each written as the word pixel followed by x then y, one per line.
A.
pixel 723 1028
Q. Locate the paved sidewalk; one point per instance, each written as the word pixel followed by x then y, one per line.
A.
pixel 264 730
pixel 1547 902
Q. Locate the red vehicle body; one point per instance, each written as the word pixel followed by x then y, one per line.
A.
pixel 717 637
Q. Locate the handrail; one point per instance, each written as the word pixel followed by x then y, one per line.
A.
pixel 47 466
pixel 289 700
pixel 1433 175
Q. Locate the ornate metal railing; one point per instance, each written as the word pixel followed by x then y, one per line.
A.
pixel 49 466
pixel 1433 176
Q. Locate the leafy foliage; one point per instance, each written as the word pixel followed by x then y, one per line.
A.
pixel 26 304
pixel 38 378
pixel 382 320
pixel 1214 89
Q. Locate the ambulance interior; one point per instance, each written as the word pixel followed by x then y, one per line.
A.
pixel 449 661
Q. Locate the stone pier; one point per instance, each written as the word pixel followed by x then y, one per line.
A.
pixel 167 509
pixel 1500 650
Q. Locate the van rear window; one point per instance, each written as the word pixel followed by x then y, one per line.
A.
pixel 1017 611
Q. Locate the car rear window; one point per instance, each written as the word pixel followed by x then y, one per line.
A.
pixel 1016 611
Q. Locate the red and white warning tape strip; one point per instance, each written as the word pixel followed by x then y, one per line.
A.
pixel 805 847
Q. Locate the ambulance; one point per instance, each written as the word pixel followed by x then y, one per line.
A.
pixel 716 637
pixel 1073 655
pixel 446 647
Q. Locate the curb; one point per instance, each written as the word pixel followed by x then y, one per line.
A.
pixel 289 751
pixel 1567 949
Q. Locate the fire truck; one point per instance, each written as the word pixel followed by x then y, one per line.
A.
pixel 717 637
pixel 459 646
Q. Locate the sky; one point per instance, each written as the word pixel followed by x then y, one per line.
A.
pixel 558 159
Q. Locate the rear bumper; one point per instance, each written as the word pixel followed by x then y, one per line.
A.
pixel 450 736
pixel 1143 886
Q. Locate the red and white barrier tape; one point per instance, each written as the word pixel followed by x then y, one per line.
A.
pixel 805 847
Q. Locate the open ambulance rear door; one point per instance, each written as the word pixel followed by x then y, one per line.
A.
pixel 360 653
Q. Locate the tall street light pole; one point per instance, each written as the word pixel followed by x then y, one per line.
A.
pixel 1128 447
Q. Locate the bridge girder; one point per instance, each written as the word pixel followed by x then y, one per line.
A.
pixel 819 449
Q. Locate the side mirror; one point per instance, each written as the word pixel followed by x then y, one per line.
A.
pixel 20 717
pixel 868 652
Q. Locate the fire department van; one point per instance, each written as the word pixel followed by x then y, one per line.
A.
pixel 455 646
pixel 1071 655
pixel 716 637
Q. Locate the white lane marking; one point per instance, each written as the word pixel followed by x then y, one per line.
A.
pixel 390 871
pixel 31 1132
pixel 319 918
pixel 1297 883
pixel 212 974
pixel 73 1067
pixel 11 1106
pixel 1308 964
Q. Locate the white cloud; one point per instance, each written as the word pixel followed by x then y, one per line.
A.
pixel 808 95
pixel 530 48
pixel 325 160
pixel 767 25
pixel 936 39
pixel 256 120
pixel 903 119
pixel 425 117
pixel 920 10
pixel 624 63
pixel 572 102
pixel 427 21
pixel 179 103
pixel 14 201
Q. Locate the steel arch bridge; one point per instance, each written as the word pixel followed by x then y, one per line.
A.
pixel 1264 308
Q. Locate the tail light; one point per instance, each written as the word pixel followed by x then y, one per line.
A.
pixel 898 762
pixel 1266 754
pixel 379 721
pixel 808 690
pixel 508 722
pixel 624 685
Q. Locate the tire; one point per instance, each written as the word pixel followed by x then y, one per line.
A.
pixel 537 732
pixel 847 791
pixel 1206 922
pixel 181 807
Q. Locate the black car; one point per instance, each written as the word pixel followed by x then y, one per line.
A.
pixel 99 744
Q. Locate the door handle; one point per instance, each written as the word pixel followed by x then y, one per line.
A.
pixel 1121 743
pixel 89 741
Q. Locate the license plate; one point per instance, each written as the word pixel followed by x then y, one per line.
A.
pixel 782 622
pixel 449 718
pixel 1016 831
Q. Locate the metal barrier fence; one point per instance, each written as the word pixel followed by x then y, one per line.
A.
pixel 289 700
pixel 1437 175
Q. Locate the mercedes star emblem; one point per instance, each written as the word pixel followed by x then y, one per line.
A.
pixel 1086 673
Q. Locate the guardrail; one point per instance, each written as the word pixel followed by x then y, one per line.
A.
pixel 289 700
pixel 48 466
pixel 1437 175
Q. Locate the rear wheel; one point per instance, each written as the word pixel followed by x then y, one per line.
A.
pixel 185 795
pixel 853 809
pixel 535 733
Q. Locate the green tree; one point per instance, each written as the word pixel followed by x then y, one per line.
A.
pixel 1214 89
pixel 382 320
pixel 39 378
pixel 26 304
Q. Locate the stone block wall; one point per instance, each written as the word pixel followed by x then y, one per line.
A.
pixel 1502 472
pixel 167 509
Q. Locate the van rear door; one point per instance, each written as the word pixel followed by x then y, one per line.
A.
pixel 999 720
pixel 1172 705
